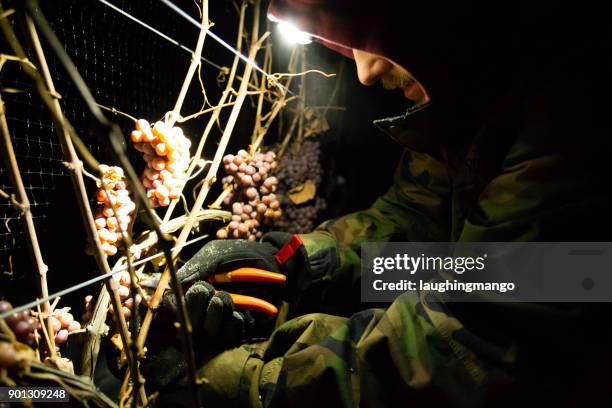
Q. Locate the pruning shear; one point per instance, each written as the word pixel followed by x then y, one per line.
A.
pixel 250 275
pixel 241 275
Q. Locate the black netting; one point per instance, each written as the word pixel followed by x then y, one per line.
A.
pixel 134 70
pixel 127 67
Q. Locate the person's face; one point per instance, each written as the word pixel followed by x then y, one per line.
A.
pixel 372 68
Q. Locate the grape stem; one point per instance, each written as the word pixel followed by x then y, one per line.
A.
pixel 116 112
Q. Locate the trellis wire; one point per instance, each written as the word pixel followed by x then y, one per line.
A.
pixel 93 280
pixel 159 33
pixel 225 44
pixel 97 40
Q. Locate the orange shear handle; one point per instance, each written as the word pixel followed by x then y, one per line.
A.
pixel 248 275
pixel 253 303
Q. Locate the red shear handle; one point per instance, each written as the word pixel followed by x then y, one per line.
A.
pixel 248 275
pixel 253 303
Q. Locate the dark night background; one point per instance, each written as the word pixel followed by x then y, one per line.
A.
pixel 135 71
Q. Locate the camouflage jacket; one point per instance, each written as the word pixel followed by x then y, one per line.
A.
pixel 518 180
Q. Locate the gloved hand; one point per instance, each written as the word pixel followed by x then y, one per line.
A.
pixel 216 326
pixel 226 255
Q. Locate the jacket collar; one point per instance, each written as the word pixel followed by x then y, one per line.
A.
pixel 402 128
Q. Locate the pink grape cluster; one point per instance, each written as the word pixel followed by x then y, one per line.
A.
pixel 166 151
pixel 63 323
pixel 26 327
pixel 116 208
pixel 127 302
pixel 253 200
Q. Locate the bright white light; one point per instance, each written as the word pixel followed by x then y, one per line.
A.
pixel 292 35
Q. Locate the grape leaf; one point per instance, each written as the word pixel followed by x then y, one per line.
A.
pixel 316 123
pixel 303 193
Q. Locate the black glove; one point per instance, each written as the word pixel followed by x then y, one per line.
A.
pixel 226 255
pixel 216 326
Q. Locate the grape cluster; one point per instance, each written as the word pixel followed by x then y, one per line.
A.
pixel 116 208
pixel 294 169
pixel 25 326
pixel 166 151
pixel 127 302
pixel 22 323
pixel 62 324
pixel 300 219
pixel 253 200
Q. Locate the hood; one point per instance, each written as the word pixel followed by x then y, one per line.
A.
pixel 426 38
pixel 468 55
pixel 452 48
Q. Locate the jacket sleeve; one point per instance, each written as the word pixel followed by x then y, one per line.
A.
pixel 415 208
pixel 412 354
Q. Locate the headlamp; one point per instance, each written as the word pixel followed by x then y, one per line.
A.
pixel 290 33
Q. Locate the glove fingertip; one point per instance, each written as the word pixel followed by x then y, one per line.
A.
pixel 214 315
pixel 234 331
pixel 227 301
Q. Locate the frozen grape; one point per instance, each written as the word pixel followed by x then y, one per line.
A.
pixel 65 319
pixel 166 152
pixel 5 306
pixel 243 229
pixel 73 326
pixel 56 325
pixel 125 296
pixel 123 292
pixel 300 219
pixel 253 188
pixel 21 323
pixel 26 325
pixel 116 208
pixel 61 337
pixel 300 164
pixel 22 329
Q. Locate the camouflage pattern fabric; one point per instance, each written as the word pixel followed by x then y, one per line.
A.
pixel 509 184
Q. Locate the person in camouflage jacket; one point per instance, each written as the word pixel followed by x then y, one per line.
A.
pixel 511 145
